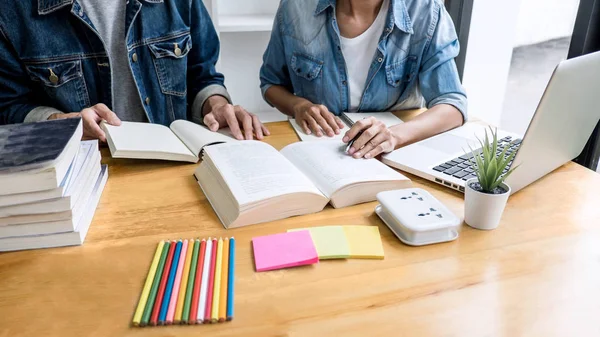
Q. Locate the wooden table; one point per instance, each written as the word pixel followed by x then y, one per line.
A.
pixel 538 274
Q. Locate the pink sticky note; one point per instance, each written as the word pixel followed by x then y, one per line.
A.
pixel 284 250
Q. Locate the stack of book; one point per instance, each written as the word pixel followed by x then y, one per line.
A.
pixel 50 184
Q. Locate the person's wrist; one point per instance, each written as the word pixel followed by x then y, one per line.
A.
pixel 300 107
pixel 57 115
pixel 399 135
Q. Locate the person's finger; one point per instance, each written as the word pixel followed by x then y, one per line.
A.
pixel 339 122
pixel 385 146
pixel 258 127
pixel 91 129
pixel 246 120
pixel 103 111
pixel 265 130
pixel 323 124
pixel 211 122
pixel 314 126
pixel 356 129
pixel 330 118
pixel 371 144
pixel 304 125
pixel 234 126
pixel 365 137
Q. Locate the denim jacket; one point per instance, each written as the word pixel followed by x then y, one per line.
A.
pixel 51 55
pixel 414 59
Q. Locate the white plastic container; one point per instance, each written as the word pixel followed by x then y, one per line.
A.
pixel 416 217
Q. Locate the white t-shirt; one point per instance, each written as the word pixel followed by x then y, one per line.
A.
pixel 359 52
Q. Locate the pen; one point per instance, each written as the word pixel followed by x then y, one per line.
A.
pixel 352 141
pixel 349 123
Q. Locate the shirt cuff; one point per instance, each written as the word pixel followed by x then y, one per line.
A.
pixel 202 96
pixel 263 91
pixel 40 114
pixel 458 101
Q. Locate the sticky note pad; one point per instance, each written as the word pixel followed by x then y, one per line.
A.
pixel 284 250
pixel 330 241
pixel 364 242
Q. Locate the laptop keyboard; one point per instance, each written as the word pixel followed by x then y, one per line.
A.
pixel 460 167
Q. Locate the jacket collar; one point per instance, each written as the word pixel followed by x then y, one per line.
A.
pixel 49 6
pixel 399 13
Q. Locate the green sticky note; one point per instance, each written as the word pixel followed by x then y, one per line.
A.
pixel 364 242
pixel 330 241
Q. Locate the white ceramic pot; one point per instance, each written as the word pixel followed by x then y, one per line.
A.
pixel 483 210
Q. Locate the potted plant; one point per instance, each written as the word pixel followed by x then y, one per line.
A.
pixel 486 195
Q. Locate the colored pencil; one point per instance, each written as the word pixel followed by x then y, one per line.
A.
pixel 184 281
pixel 231 275
pixel 192 319
pixel 163 283
pixel 190 283
pixel 211 282
pixel 224 274
pixel 162 318
pixel 204 286
pixel 214 316
pixel 177 283
pixel 137 317
pixel 155 283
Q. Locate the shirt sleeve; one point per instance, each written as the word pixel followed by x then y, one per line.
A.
pixel 16 98
pixel 40 114
pixel 274 69
pixel 203 78
pixel 438 76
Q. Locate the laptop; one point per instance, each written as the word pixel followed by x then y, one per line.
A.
pixel 562 124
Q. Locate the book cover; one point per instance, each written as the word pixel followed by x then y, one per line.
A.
pixel 34 145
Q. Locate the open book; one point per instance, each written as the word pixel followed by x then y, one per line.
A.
pixel 181 141
pixel 250 182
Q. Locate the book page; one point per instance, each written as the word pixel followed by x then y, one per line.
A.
pixel 304 137
pixel 255 171
pixel 388 118
pixel 135 137
pixel 196 136
pixel 348 118
pixel 331 168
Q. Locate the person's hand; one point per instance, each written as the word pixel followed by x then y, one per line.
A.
pixel 91 118
pixel 376 138
pixel 314 118
pixel 237 119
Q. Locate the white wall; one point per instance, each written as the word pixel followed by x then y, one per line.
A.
pixel 542 20
pixel 487 62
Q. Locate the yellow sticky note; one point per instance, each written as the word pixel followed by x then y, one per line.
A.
pixel 330 241
pixel 364 242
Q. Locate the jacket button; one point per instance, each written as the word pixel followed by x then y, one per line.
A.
pixel 53 78
pixel 134 57
pixel 147 100
pixel 380 60
pixel 177 50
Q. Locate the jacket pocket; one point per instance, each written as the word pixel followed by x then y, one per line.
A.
pixel 307 82
pixel 401 73
pixel 63 82
pixel 170 62
pixel 306 66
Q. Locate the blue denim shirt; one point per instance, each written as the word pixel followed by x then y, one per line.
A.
pixel 414 59
pixel 51 55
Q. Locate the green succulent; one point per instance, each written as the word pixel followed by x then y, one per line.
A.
pixel 490 166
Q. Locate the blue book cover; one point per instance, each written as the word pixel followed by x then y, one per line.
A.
pixel 34 145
